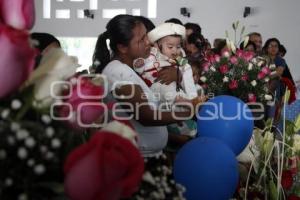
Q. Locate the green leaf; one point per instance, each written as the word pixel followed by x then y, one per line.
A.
pixel 258 138
pixel 273 190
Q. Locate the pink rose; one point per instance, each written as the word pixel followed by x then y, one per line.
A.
pixel 266 70
pixel 233 60
pixel 86 110
pixel 251 97
pixel 244 77
pixel 223 69
pixel 211 58
pixel 261 75
pixel 248 55
pixel 106 167
pixel 205 66
pixel 16 60
pixel 239 53
pixel 217 58
pixel 233 84
pixel 19 14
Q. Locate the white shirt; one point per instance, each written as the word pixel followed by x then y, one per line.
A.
pixel 151 139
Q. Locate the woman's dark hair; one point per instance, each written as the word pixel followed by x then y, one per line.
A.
pixel 221 44
pixel 196 39
pixel 195 27
pixel 44 39
pixel 282 50
pixel 118 31
pixel 267 43
pixel 147 22
pixel 248 44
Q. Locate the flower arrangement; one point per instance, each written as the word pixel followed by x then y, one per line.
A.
pixel 49 148
pixel 237 72
pixel 270 164
pixel 57 140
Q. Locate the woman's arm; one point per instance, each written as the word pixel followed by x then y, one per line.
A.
pixel 142 110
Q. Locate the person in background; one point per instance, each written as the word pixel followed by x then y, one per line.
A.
pixel 174 20
pixel 194 47
pixel 129 41
pixel 257 39
pixel 250 46
pixel 44 42
pixel 192 28
pixel 271 52
pixel 286 73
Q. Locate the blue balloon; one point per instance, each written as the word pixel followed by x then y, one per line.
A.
pixel 227 119
pixel 207 168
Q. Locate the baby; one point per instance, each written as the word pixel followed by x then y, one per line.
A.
pixel 167 40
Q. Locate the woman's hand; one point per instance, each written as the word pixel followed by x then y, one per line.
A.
pixel 167 75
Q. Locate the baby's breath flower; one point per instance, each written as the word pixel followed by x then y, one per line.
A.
pixel 22 153
pixel 46 119
pixel 55 143
pixel 22 134
pixel 30 142
pixel 49 132
pixel 5 113
pixel 39 169
pixel 16 104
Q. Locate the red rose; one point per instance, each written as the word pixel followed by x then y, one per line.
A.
pixel 261 75
pixel 251 97
pixel 244 77
pixel 84 109
pixel 18 13
pixel 287 179
pixel 223 69
pixel 107 167
pixel 16 60
pixel 233 84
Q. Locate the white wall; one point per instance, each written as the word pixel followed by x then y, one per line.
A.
pixel 272 18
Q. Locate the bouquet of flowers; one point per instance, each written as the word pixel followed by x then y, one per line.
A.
pixel 49 146
pixel 269 166
pixel 238 73
pixel 57 139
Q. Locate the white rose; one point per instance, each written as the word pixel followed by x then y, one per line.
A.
pixel 266 79
pixel 260 63
pixel 254 60
pixel 253 83
pixel 203 79
pixel 55 66
pixel 225 79
pixel 250 66
pixel 212 69
pixel 273 66
pixel 268 97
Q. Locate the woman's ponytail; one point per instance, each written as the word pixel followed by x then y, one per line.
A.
pixel 101 55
